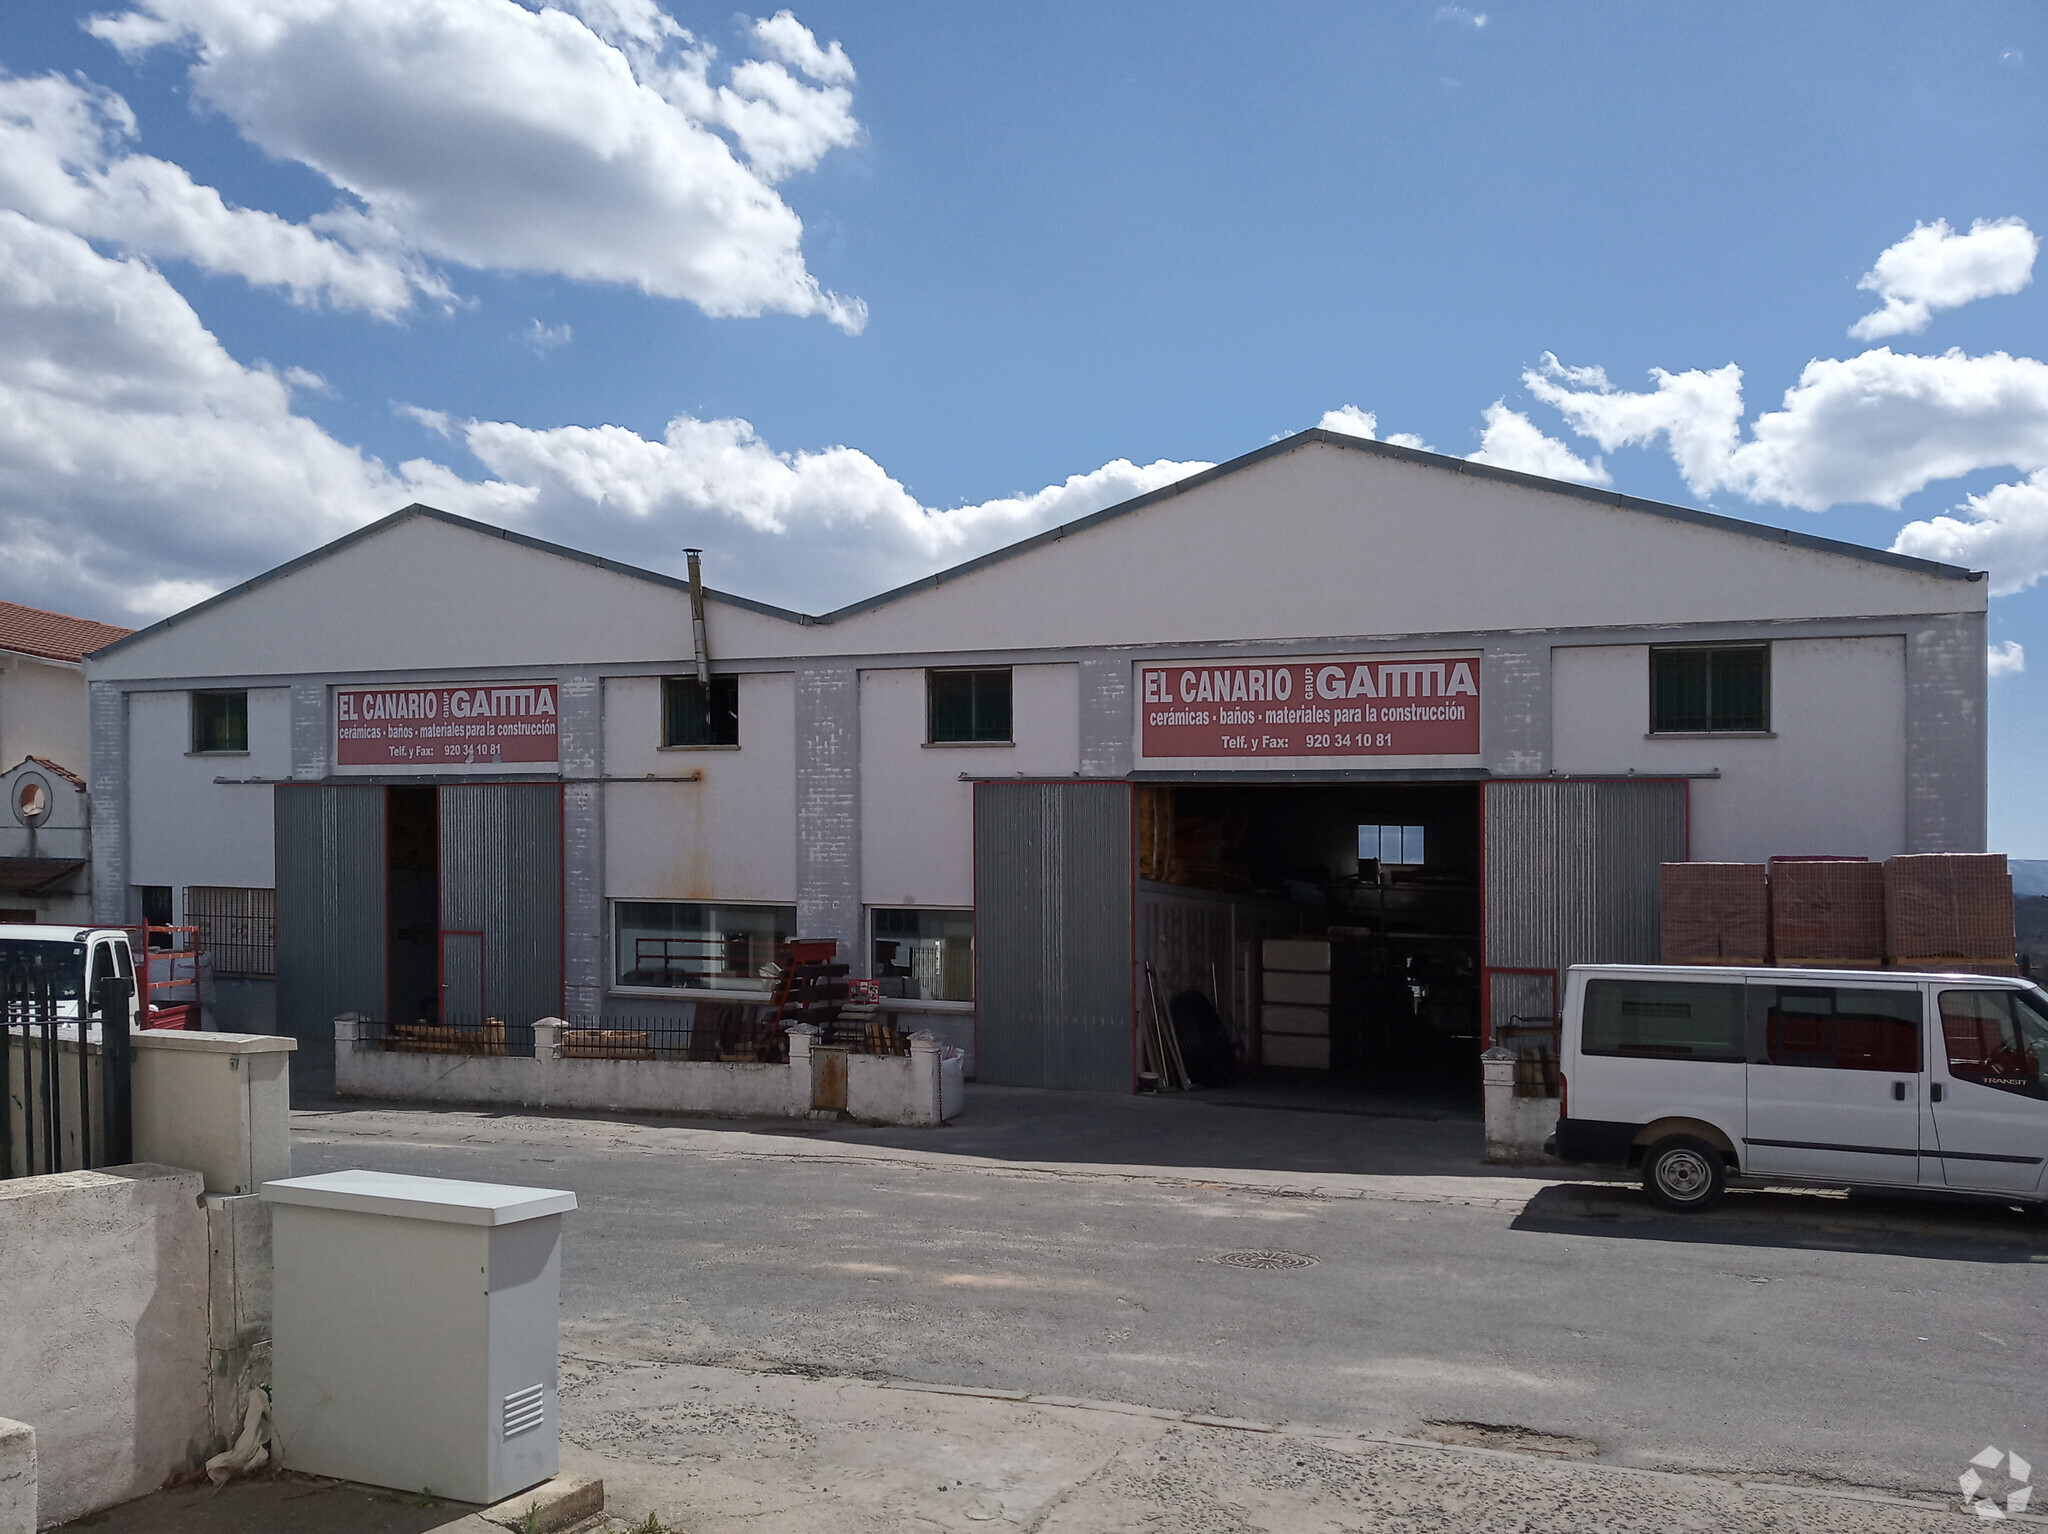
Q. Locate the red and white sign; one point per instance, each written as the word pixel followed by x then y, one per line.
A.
pixel 1349 705
pixel 447 729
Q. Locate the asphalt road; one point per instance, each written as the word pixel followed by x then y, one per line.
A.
pixel 1800 1335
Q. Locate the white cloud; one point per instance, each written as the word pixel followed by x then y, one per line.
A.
pixel 545 338
pixel 1871 428
pixel 1511 441
pixel 790 41
pixel 142 467
pixel 1350 421
pixel 65 161
pixel 1463 16
pixel 2004 531
pixel 502 137
pixel 1936 268
pixel 2005 659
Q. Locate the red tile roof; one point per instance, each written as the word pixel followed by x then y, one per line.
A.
pixel 61 770
pixel 31 631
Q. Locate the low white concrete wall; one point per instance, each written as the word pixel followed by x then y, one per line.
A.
pixel 103 1330
pixel 880 1089
pixel 17 1477
pixel 1516 1127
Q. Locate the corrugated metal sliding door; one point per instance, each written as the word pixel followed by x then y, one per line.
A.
pixel 1054 877
pixel 330 913
pixel 1571 878
pixel 501 903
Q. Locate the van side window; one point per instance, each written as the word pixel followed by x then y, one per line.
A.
pixel 1840 1028
pixel 1663 1019
pixel 1996 1039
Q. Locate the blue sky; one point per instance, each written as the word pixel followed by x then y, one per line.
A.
pixel 978 268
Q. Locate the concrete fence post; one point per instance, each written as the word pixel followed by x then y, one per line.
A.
pixel 345 1035
pixel 547 1059
pixel 926 1049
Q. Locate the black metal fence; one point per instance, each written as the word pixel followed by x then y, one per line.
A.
pixel 730 1031
pixel 65 1067
pixel 451 1036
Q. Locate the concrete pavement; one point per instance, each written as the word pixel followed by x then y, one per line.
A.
pixel 1792 1336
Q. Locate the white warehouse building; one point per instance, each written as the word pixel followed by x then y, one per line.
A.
pixel 1452 716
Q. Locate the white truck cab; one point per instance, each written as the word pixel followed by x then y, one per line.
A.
pixel 1865 1078
pixel 65 964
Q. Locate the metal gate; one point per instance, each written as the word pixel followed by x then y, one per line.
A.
pixel 1054 884
pixel 501 905
pixel 1571 878
pixel 330 914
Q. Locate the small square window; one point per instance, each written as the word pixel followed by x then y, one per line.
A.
pixel 690 717
pixel 1703 689
pixel 220 721
pixel 967 706
pixel 1395 846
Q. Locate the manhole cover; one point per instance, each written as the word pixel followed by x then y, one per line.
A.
pixel 1266 1259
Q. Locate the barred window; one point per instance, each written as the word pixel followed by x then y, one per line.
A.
pixel 238 927
pixel 1703 689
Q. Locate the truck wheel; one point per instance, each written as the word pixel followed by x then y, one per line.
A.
pixel 1684 1174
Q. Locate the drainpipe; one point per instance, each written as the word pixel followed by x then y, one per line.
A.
pixel 697 639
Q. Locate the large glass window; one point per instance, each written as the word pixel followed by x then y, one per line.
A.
pixel 688 945
pixel 925 955
pixel 220 721
pixel 692 717
pixel 1395 846
pixel 1663 1019
pixel 1997 1038
pixel 1839 1028
pixel 968 706
pixel 1702 689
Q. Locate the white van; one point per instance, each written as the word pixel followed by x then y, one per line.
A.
pixel 1869 1078
pixel 64 964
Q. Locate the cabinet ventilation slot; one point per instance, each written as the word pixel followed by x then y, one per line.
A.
pixel 525 1410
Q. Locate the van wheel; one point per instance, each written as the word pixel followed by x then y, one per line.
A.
pixel 1684 1174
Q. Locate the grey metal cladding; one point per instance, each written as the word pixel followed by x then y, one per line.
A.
pixel 501 875
pixel 1572 869
pixel 310 732
pixel 330 906
pixel 583 928
pixel 1946 736
pixel 1514 724
pixel 107 719
pixel 828 807
pixel 1053 885
pixel 1105 716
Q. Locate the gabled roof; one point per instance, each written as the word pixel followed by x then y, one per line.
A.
pixel 53 636
pixel 58 768
pixel 1438 461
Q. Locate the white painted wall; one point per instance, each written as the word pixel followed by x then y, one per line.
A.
pixel 42 712
pixel 731 836
pixel 1833 780
pixel 917 817
pixel 186 829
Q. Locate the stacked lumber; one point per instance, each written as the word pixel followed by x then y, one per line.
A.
pixel 1827 913
pixel 1715 913
pixel 606 1044
pixel 1949 911
pixel 431 1039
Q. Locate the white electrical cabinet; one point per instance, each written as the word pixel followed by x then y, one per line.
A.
pixel 415 1324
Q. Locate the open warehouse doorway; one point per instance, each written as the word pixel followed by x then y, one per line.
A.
pixel 1364 936
pixel 420 906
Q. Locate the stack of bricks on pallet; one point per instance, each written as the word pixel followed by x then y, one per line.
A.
pixel 1294 1022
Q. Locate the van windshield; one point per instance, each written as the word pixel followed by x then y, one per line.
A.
pixel 33 969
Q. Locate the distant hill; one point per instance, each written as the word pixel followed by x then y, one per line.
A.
pixel 2029 876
